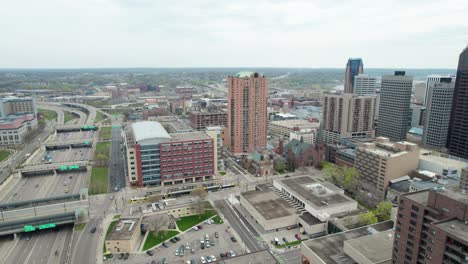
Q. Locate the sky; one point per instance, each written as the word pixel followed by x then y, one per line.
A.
pixel 240 33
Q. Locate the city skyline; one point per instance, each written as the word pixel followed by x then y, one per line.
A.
pixel 149 34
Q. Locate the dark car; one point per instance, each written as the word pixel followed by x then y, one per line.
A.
pixel 298 237
pixel 173 240
pixel 177 238
pixel 285 240
pixel 222 255
pixel 93 230
pixel 227 254
pixel 121 255
pixel 165 245
pixel 150 253
pixel 126 255
pixel 216 235
pixel 202 246
pixel 200 227
pixel 233 239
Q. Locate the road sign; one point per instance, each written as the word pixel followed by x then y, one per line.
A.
pixel 46 226
pixel 29 228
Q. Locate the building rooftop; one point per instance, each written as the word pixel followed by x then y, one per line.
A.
pixel 319 194
pixel 269 204
pixel 292 123
pixel 375 248
pixel 330 248
pixel 384 147
pixel 148 130
pixel 455 228
pixel 259 257
pixel 419 197
pixel 444 161
pixel 197 135
pixel 310 219
pixel 124 229
pixel 244 74
pixel 15 121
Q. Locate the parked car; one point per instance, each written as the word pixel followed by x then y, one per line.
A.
pixel 213 258
pixel 177 252
pixel 153 262
pixel 149 252
pixel 231 253
pixel 126 255
pixel 285 240
pixel 202 260
pixel 227 255
pixel 164 261
pixel 177 238
pixel 121 255
pixel 222 255
pixel 216 235
pixel 212 243
pixel 199 227
pixel 93 230
pixel 233 239
pixel 208 259
pixel 192 250
pixel 298 237
pixel 165 244
pixel 195 228
pixel 187 246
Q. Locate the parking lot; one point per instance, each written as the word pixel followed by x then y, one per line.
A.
pixel 222 244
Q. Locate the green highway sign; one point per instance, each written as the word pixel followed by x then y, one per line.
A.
pixel 29 228
pixel 46 226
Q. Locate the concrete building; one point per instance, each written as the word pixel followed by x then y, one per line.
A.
pixel 285 127
pixel 306 135
pixel 416 115
pixel 381 162
pixel 347 116
pixel 438 108
pixel 419 92
pixel 17 106
pixel 457 139
pixel 124 236
pixel 442 166
pixel 247 112
pixel 201 120
pixel 395 99
pixel 364 245
pixel 435 78
pixel 365 85
pixel 15 129
pixel 353 67
pixel 155 157
pixel 431 227
pixel 216 134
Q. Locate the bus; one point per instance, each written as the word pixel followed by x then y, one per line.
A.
pixel 138 199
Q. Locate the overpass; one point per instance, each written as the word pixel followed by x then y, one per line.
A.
pixel 73 128
pixel 36 223
pixel 75 143
pixel 52 168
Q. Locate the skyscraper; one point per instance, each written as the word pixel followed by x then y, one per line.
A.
pixel 457 140
pixel 353 68
pixel 394 108
pixel 365 85
pixel 247 112
pixel 347 116
pixel 438 107
pixel 434 78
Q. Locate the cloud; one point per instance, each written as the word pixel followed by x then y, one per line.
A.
pixel 218 33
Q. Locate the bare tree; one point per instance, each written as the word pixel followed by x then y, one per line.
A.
pixel 200 195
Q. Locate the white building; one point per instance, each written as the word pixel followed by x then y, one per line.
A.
pixel 14 129
pixel 434 78
pixel 306 135
pixel 365 84
pixel 284 128
pixel 441 165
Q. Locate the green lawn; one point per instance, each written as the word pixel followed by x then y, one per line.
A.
pixel 218 220
pixel 293 243
pixel 99 117
pixel 112 224
pixel 80 227
pixel 102 150
pixel 187 222
pixel 153 240
pixel 68 116
pixel 105 133
pixel 48 114
pixel 99 178
pixel 4 154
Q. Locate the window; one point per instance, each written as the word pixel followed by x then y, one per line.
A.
pixel 415 208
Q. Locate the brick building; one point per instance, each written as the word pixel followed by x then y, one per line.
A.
pixel 201 120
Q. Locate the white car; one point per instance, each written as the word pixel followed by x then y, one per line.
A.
pixel 195 228
pixel 177 252
pixel 213 258
pixel 208 259
pixel 202 259
pixel 232 253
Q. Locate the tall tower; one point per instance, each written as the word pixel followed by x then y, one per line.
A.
pixel 438 106
pixel 365 85
pixel 247 112
pixel 394 106
pixel 353 68
pixel 457 140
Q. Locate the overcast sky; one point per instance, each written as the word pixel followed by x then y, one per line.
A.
pixel 218 33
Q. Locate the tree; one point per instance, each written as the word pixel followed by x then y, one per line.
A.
pixel 367 219
pixel 280 167
pixel 334 173
pixel 350 179
pixel 383 211
pixel 200 194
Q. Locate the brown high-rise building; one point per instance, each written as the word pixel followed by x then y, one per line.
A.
pixel 432 227
pixel 247 112
pixel 354 67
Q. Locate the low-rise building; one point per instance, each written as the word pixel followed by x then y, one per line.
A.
pixel 306 135
pixel 300 154
pixel 17 106
pixel 201 120
pixel 285 127
pixel 15 129
pixel 124 236
pixel 440 165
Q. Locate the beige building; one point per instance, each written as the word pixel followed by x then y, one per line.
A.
pixel 306 135
pixel 348 116
pixel 284 128
pixel 382 161
pixel 124 236
pixel 15 105
pixel 215 132
pixel 15 129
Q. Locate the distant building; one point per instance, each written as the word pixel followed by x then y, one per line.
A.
pixel 306 135
pixel 124 237
pixel 300 154
pixel 259 164
pixel 457 138
pixel 247 112
pixel 394 109
pixel 17 106
pixel 435 78
pixel 155 157
pixel 365 85
pixel 285 127
pixel 416 115
pixel 201 120
pixel 442 166
pixel 347 116
pixel 419 92
pixel 381 162
pixel 15 129
pixel 353 67
pixel 438 108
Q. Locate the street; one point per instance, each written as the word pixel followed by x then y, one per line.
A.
pixel 117 178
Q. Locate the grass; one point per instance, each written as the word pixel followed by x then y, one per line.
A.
pixel 117 216
pixel 48 114
pixel 4 154
pixel 112 224
pixel 80 227
pixel 99 178
pixel 68 116
pixel 102 150
pixel 218 220
pixel 105 133
pixel 153 240
pixel 222 173
pixel 99 117
pixel 293 243
pixel 187 222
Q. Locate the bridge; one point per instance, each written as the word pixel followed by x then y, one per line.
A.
pixel 74 143
pixel 52 168
pixel 74 128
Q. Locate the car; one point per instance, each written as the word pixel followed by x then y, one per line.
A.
pixel 232 254
pixel 193 261
pixel 212 243
pixel 227 255
pixel 187 246
pixel 177 252
pixel 173 240
pixel 216 235
pixel 66 190
pixel 202 245
pixel 177 238
pixel 233 239
pixel 208 259
pixel 126 255
pixel 202 240
pixel 222 255
pixel 71 177
pixel 64 183
pixel 192 250
pixel 149 252
pixel 285 240
pixel 181 250
pixel 121 255
pixel 93 230
pixel 165 244
pixel 213 258
pixel 195 228
pixel 28 238
pixel 164 261
pixel 187 262
pixel 207 244
pixel 199 227
pixel 298 237
pixel 202 260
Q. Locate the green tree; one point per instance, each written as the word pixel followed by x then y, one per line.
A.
pixel 367 219
pixel 350 179
pixel 383 211
pixel 280 167
pixel 334 173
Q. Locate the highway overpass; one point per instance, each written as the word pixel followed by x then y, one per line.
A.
pixel 52 168
pixel 75 143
